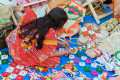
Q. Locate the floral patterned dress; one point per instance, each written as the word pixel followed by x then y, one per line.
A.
pixel 29 55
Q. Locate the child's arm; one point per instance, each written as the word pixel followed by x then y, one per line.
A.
pixel 60 53
pixel 65 44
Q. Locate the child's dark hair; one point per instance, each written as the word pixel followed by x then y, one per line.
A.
pixel 55 19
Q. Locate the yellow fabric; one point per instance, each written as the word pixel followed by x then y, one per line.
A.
pixel 41 68
pixel 50 42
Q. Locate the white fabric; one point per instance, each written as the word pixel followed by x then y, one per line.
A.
pixel 6 2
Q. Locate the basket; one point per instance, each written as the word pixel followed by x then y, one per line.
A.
pixel 4 31
pixel 5 23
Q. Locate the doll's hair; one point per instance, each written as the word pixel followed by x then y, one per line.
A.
pixel 55 19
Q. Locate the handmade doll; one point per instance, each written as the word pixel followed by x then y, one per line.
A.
pixel 110 63
pixel 110 44
pixel 89 33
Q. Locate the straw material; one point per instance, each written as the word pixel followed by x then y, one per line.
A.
pixel 93 52
pixel 104 34
pixel 116 29
pixel 82 40
pixel 111 44
pixel 117 72
pixel 109 25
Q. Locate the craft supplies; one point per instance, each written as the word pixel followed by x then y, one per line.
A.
pixel 83 57
pixel 94 65
pixel 75 14
pixel 76 60
pixel 83 77
pixel 93 52
pixel 94 73
pixel 57 75
pixel 80 48
pixel 71 56
pixel 71 61
pixel 81 63
pixel 87 69
pixel 99 69
pixel 78 54
pixel 109 25
pixel 88 61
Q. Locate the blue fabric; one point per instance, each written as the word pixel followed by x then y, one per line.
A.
pixel 64 59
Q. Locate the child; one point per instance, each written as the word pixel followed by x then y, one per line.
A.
pixel 33 42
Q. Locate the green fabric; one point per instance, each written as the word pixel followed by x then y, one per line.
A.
pixel 99 69
pixel 87 69
pixel 4 57
pixel 76 10
pixel 78 54
pixel 70 12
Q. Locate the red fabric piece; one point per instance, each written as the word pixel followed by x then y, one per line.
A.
pixel 35 68
pixel 45 70
pixel 12 64
pixel 5 74
pixel 16 71
pixel 43 78
pixel 19 77
pixel 28 55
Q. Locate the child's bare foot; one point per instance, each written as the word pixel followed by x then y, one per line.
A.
pixel 110 6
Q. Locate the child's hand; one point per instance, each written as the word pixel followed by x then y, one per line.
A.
pixel 70 51
pixel 65 44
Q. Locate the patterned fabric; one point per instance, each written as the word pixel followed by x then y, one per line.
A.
pixel 22 2
pixel 75 14
pixel 58 75
pixel 34 76
pixel 110 63
pixel 28 55
pixel 3 57
pixel 15 72
pixel 88 31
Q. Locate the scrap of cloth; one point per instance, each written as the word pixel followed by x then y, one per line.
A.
pixel 28 54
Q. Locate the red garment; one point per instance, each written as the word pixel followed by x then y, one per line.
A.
pixel 28 55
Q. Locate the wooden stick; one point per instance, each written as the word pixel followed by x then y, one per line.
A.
pixel 94 8
pixel 87 2
pixel 94 13
pixel 114 8
pixel 104 15
pixel 14 19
